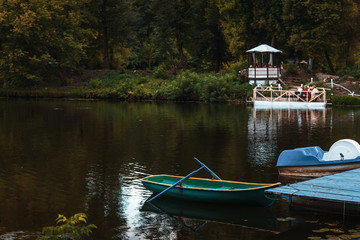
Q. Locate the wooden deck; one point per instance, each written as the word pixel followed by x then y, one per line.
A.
pixel 341 188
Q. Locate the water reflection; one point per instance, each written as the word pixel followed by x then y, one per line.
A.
pixel 68 157
pixel 250 216
pixel 267 128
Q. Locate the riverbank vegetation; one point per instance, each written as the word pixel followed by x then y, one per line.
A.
pixel 180 50
pixel 187 86
pixel 345 100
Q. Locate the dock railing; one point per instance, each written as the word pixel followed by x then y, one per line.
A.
pixel 277 94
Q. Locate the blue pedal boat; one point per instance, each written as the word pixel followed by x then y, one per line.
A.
pixel 314 162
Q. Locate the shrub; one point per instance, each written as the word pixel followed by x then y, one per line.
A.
pixel 161 71
pixel 187 87
pixel 236 67
pixel 291 68
pixel 345 100
pixel 73 228
pixel 241 91
pixel 95 83
pixel 215 89
pixel 350 74
pixel 164 91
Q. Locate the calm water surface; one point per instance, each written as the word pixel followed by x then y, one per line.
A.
pixel 80 156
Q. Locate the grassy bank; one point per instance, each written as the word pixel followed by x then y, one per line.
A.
pixel 345 100
pixel 188 86
pixel 134 86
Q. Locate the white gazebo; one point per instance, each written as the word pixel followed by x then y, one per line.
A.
pixel 264 65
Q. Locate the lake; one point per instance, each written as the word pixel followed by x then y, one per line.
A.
pixel 66 157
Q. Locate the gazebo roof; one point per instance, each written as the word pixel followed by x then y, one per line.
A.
pixel 264 48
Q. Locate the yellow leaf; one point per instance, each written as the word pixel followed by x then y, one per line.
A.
pixel 82 219
pixel 336 230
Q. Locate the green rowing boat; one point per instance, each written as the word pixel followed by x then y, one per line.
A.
pixel 210 190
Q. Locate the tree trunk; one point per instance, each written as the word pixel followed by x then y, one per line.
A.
pixel 217 64
pixel 182 63
pixel 106 63
pixel 329 62
pixel 347 54
pixel 310 63
pixel 273 39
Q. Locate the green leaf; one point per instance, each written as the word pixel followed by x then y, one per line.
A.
pixel 321 230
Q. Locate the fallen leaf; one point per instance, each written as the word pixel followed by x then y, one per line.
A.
pixel 332 237
pixel 312 221
pixel 346 236
pixel 321 230
pixel 332 224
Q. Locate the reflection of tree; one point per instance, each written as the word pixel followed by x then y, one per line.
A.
pixel 67 157
pixel 275 130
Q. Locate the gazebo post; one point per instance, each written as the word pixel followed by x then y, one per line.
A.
pixel 255 66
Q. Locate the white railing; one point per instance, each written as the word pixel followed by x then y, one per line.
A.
pixel 350 92
pixel 264 73
pixel 277 94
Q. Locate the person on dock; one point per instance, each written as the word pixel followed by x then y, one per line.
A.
pixel 305 93
pixel 299 91
pixel 314 91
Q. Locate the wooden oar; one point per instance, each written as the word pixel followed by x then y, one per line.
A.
pixel 178 182
pixel 207 169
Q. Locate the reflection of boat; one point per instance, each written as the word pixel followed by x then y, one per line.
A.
pixel 250 216
pixel 210 190
pixel 314 162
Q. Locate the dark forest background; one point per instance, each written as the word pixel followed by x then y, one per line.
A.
pixel 49 40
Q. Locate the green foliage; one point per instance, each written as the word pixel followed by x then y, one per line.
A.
pixel 236 67
pixel 321 29
pixel 215 89
pixel 346 100
pixel 43 41
pixel 71 228
pixel 291 69
pixel 38 37
pixel 187 87
pixel 241 91
pixel 95 83
pixel 161 71
pixel 355 73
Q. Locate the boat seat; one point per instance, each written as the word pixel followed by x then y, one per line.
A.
pixel 344 149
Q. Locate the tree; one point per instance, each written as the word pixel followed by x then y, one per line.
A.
pixel 267 22
pixel 215 42
pixel 315 27
pixel 39 39
pixel 235 19
pixel 143 48
pixel 112 22
pixel 171 29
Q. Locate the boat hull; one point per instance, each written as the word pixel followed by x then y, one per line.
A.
pixel 317 170
pixel 213 191
pixel 310 162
